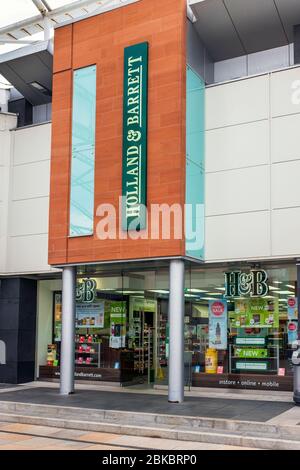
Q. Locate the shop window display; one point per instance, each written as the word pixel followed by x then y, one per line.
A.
pixel 115 335
pixel 244 338
pixel 236 335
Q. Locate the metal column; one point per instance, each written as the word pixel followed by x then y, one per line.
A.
pixel 176 332
pixel 67 353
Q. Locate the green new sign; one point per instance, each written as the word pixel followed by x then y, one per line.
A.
pixel 135 137
pixel 250 353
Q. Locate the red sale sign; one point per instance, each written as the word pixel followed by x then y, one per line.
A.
pixel 217 308
pixel 292 302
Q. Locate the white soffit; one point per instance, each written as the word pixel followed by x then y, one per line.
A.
pixel 66 13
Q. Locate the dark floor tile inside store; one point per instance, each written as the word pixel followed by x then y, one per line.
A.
pixel 246 410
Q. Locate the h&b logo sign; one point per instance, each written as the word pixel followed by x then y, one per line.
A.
pixel 239 284
pixel 86 291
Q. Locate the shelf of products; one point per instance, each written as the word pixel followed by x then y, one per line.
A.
pixel 141 333
pixel 87 350
pixel 162 338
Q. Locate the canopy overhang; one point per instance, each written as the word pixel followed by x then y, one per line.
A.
pixel 232 28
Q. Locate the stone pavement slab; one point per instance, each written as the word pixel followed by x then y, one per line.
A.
pixel 98 437
pixel 247 410
pixel 101 441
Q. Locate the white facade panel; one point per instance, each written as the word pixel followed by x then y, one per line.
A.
pixel 2 189
pixel 31 181
pixel 237 102
pixel 27 254
pixel 29 217
pixel 252 170
pixel 237 146
pixel 7 122
pixel 5 147
pixel 238 236
pixel 32 144
pixel 25 227
pixel 234 191
pixel 285 143
pixel 285 92
pixel 285 184
pixel 285 232
pixel 2 225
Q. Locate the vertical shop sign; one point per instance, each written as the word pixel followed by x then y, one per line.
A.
pixel 117 325
pixel 218 324
pixel 292 308
pixel 292 303
pixel 292 331
pixel 135 116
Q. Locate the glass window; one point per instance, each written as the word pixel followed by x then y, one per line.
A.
pixel 237 340
pixel 245 324
pixel 194 217
pixel 83 152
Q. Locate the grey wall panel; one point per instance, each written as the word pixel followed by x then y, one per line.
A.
pixel 198 57
pixel 209 68
pixel 266 61
pixel 230 69
pixel 195 50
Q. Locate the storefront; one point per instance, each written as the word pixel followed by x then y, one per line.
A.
pixel 239 324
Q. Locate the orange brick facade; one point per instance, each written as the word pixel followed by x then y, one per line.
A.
pixel 101 40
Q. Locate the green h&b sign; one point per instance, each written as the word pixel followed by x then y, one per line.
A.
pixel 135 116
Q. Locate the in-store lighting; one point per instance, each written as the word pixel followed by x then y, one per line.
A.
pixel 159 291
pixel 196 290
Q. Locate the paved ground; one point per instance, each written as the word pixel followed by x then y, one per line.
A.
pixel 4 386
pixel 245 410
pixel 28 437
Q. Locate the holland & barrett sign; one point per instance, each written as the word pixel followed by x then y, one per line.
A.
pixel 135 137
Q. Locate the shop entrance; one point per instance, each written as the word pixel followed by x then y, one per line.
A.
pixel 143 338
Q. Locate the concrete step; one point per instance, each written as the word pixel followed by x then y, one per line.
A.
pixel 186 428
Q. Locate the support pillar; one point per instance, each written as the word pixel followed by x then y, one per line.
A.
pixel 67 353
pixel 176 332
